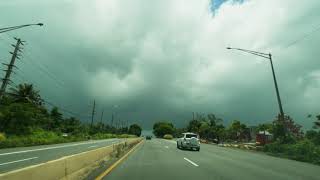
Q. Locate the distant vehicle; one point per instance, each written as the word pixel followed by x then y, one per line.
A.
pixel 148 137
pixel 189 141
pixel 65 134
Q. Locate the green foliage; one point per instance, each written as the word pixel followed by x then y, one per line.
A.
pixel 20 118
pixel 41 137
pixel 194 126
pixel 25 93
pixel 38 137
pixel 304 150
pixel 26 122
pixel 57 119
pixel 135 129
pixel 313 136
pixel 103 136
pixel 126 136
pixel 162 128
pixel 2 137
pixel 71 125
pixel 178 131
pixel 317 122
pixel 285 129
pixel 237 131
pixel 167 136
pixel 265 127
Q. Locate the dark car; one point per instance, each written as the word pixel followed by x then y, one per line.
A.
pixel 148 137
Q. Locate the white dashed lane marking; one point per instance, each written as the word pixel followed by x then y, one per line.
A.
pixel 191 162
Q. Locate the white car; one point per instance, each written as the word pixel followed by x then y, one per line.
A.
pixel 189 141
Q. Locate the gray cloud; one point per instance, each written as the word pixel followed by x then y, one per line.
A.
pixel 166 59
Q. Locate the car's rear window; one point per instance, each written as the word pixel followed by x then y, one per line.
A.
pixel 191 135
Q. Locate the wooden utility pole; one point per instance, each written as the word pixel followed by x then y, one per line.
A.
pixel 15 55
pixel 93 112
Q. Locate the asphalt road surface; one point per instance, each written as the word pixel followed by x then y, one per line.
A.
pixel 160 160
pixel 16 158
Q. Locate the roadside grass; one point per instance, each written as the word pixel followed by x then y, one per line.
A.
pixel 304 150
pixel 41 137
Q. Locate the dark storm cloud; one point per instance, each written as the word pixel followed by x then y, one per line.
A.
pixel 166 59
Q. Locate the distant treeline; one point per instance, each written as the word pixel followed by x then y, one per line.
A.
pixel 23 114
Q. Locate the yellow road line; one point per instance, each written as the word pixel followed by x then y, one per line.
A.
pixel 106 172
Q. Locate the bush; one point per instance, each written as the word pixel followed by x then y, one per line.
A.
pixel 168 136
pixel 304 150
pixel 2 137
pixel 42 137
pixel 126 136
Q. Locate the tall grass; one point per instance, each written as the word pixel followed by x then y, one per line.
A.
pixel 41 137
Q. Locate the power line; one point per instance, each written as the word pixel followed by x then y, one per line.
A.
pixel 43 71
pixel 303 37
pixel 44 66
pixel 41 67
pixel 64 109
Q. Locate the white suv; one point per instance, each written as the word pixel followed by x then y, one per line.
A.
pixel 189 141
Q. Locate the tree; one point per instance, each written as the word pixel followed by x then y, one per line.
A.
pixel 317 122
pixel 71 125
pixel 25 93
pixel 21 118
pixel 265 127
pixel 162 128
pixel 286 130
pixel 314 136
pixel 238 131
pixel 135 129
pixel 214 120
pixel 57 119
pixel 194 126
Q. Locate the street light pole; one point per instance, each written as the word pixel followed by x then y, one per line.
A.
pixel 266 56
pixel 2 30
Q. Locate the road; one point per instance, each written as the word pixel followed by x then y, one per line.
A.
pixel 160 159
pixel 16 158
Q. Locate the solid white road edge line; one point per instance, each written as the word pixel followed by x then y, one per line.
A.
pixel 191 162
pixel 55 147
pixel 17 161
pixel 92 146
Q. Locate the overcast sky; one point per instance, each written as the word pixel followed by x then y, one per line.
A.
pixel 164 59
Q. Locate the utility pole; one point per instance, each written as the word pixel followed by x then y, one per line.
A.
pixel 15 55
pixel 192 115
pixel 101 117
pixel 277 89
pixel 93 112
pixel 112 120
pixel 267 56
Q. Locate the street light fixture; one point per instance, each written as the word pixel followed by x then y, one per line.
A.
pixel 2 30
pixel 266 56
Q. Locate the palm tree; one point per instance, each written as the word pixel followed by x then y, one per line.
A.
pixel 25 93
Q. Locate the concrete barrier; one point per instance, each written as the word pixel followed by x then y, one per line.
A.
pixel 68 166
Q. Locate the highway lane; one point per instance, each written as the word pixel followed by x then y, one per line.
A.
pixel 16 158
pixel 160 159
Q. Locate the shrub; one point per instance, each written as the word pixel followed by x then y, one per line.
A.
pixel 167 136
pixel 304 150
pixel 126 136
pixel 2 137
